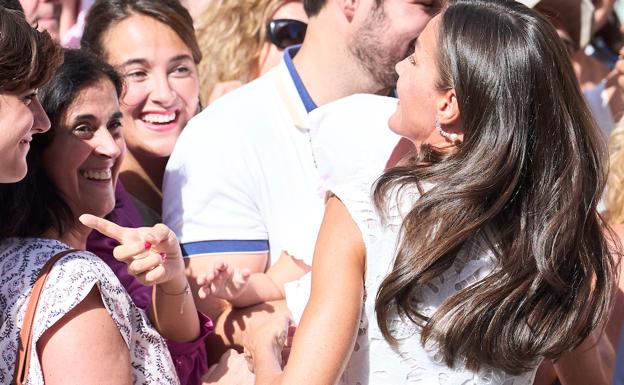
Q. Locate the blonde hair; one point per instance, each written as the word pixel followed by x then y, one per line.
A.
pixel 231 34
pixel 614 201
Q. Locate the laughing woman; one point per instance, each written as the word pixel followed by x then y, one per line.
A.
pixel 85 323
pixel 482 255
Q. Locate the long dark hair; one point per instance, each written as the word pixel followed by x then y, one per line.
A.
pixel 529 175
pixel 34 205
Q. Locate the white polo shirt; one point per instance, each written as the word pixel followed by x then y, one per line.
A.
pixel 242 177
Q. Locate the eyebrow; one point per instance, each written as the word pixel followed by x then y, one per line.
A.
pixel 145 62
pixel 181 57
pixel 84 117
pixel 116 115
pixel 133 61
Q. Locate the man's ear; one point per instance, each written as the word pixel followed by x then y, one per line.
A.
pixel 348 7
pixel 448 108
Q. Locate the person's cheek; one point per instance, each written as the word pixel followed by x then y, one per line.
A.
pixel 188 90
pixel 135 95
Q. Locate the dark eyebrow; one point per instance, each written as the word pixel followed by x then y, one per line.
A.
pixel 116 116
pixel 84 117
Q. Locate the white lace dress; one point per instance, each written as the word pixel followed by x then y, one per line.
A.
pixel 69 282
pixel 374 361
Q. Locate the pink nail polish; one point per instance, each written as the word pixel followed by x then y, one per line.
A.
pixel 147 245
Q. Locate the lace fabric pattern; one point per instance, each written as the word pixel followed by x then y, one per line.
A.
pixel 374 360
pixel 69 282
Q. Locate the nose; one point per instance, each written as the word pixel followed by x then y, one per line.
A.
pixel 41 122
pixel 162 93
pixel 106 145
pixel 399 66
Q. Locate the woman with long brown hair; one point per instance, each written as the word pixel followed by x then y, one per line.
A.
pixel 483 253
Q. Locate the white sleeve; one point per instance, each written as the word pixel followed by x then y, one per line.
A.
pixel 208 188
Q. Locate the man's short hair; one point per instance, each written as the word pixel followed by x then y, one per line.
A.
pixel 312 7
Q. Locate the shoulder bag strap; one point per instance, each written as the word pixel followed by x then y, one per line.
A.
pixel 22 361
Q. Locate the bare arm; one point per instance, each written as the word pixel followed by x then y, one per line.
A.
pixel 590 363
pixel 154 257
pixel 585 364
pixel 241 290
pixel 327 332
pixel 83 346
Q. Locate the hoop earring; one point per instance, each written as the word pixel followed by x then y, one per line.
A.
pixel 451 137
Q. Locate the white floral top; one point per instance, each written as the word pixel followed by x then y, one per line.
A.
pixel 69 282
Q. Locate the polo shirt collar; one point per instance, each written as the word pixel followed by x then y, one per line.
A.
pixel 306 99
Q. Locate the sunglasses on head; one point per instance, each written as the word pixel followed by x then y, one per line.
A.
pixel 286 32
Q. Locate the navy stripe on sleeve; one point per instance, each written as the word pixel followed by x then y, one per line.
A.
pixel 225 247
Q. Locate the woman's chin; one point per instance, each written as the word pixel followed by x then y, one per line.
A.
pixel 102 210
pixel 157 150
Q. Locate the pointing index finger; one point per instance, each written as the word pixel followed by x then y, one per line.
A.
pixel 104 226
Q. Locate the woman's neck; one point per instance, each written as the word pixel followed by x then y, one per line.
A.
pixel 142 178
pixel 76 237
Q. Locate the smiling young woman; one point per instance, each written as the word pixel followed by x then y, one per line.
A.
pixel 152 44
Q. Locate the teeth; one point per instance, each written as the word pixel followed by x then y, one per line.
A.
pixel 159 118
pixel 97 175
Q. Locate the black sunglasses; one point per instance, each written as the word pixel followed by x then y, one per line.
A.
pixel 286 32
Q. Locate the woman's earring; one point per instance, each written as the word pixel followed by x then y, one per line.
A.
pixel 451 137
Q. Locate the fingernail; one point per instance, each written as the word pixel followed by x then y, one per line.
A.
pixel 147 245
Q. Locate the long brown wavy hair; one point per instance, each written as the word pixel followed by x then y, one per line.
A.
pixel 529 173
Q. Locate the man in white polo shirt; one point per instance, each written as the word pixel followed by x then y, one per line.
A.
pixel 242 182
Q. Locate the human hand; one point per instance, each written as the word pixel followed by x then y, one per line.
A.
pixel 267 341
pixel 231 370
pixel 152 254
pixel 224 281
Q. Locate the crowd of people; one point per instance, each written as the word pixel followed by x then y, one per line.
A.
pixel 236 192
